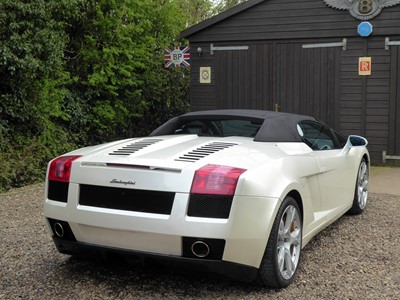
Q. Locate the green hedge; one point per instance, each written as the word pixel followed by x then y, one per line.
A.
pixel 81 72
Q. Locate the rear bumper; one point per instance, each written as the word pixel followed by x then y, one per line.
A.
pixel 230 270
pixel 245 232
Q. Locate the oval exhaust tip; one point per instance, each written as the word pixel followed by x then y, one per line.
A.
pixel 58 229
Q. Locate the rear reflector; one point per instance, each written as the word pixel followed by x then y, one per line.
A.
pixel 60 168
pixel 216 180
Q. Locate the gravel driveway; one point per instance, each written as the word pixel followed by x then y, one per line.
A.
pixel 358 257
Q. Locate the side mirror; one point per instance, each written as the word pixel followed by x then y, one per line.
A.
pixel 354 141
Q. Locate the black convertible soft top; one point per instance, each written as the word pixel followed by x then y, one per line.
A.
pixel 276 126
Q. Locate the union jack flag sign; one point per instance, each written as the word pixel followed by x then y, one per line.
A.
pixel 177 57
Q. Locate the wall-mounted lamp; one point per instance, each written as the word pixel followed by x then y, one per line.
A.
pixel 199 51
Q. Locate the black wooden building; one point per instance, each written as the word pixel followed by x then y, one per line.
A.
pixel 304 56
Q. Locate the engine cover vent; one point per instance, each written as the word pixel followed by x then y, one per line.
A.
pixel 134 147
pixel 203 151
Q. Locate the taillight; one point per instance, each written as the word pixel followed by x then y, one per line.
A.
pixel 60 168
pixel 216 180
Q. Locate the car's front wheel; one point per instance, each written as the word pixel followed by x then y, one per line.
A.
pixel 361 191
pixel 282 255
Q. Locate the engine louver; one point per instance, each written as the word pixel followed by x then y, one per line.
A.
pixel 203 151
pixel 134 147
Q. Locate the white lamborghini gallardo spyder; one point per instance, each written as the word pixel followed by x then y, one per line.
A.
pixel 234 192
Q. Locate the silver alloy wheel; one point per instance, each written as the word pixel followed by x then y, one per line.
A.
pixel 289 242
pixel 362 185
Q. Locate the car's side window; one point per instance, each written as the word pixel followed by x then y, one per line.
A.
pixel 316 135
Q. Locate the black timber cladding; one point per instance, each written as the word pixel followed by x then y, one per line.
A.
pixel 289 19
pixel 322 82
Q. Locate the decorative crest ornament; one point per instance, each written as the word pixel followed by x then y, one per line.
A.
pixel 362 9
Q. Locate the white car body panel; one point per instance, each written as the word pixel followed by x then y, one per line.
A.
pixel 325 181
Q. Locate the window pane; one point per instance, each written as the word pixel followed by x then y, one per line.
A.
pixel 317 135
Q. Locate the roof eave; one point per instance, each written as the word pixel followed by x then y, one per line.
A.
pixel 218 18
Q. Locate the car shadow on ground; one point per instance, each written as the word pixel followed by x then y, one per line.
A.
pixel 155 278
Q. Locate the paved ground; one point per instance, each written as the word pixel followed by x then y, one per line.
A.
pixel 385 180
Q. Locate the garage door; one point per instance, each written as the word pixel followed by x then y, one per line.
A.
pixel 306 80
pixel 244 78
pixel 394 112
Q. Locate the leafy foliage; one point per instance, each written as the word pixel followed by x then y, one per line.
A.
pixel 80 72
pixel 196 10
pixel 32 40
pixel 222 5
pixel 116 53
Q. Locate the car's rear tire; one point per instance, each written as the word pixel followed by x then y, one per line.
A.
pixel 282 254
pixel 361 190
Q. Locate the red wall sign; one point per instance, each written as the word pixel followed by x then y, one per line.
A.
pixel 364 66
